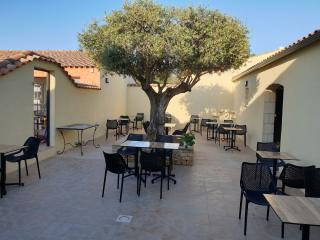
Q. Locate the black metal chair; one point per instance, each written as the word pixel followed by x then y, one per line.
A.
pixel 150 163
pixel 194 120
pixel 116 164
pixel 112 125
pixel 139 118
pixel 182 131
pixel 255 180
pixel 228 121
pixel 294 177
pixel 31 151
pixel 312 182
pixel 242 132
pixel 130 151
pixel 211 128
pixel 145 126
pixel 203 124
pixel 221 131
pixel 168 118
pixel 126 122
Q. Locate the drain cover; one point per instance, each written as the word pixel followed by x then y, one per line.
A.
pixel 124 218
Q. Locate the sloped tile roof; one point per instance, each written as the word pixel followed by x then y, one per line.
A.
pixel 11 60
pixel 66 58
pixel 299 44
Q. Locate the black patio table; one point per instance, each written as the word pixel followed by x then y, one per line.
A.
pixel 6 149
pixel 79 128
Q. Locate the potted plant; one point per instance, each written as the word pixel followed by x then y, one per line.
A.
pixel 188 140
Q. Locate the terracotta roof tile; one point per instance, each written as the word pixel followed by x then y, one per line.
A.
pixel 11 60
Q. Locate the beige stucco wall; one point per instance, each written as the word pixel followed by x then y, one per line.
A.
pixel 211 94
pixel 68 105
pixel 299 74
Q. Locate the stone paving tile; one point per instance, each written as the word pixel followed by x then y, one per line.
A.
pixel 66 203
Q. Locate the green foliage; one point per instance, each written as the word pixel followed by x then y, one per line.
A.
pixel 188 139
pixel 152 43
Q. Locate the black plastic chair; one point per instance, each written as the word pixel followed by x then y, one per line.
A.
pixel 168 118
pixel 32 144
pixel 112 125
pixel 194 120
pixel 116 164
pixel 150 163
pixel 182 131
pixel 221 131
pixel 130 151
pixel 139 118
pixel 255 180
pixel 312 182
pixel 294 177
pixel 211 127
pixel 145 126
pixel 126 122
pixel 228 121
pixel 242 132
pixel 203 124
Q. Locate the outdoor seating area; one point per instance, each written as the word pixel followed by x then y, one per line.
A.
pixel 206 195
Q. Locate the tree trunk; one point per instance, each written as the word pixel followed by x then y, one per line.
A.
pixel 158 106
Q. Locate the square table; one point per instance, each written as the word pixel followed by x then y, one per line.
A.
pixel 275 156
pixel 168 126
pixel 6 149
pixel 79 128
pixel 303 211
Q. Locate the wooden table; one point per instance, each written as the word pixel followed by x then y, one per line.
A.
pixel 6 149
pixel 275 156
pixel 232 144
pixel 303 211
pixel 147 144
pixel 168 126
pixel 79 128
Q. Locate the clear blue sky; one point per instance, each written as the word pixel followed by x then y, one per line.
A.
pixel 54 24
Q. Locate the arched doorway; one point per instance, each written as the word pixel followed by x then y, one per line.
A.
pixel 272 119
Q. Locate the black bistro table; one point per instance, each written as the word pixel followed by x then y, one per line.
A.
pixel 6 149
pixel 79 128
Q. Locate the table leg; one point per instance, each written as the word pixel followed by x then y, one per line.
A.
pixel 3 175
pixel 64 143
pixel 136 167
pixel 167 131
pixel 81 134
pixel 305 232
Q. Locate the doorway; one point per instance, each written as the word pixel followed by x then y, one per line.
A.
pixel 278 115
pixel 41 103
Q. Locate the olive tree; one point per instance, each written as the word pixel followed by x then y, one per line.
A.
pixel 152 43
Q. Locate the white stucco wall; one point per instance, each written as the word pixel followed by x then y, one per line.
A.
pixel 68 105
pixel 299 74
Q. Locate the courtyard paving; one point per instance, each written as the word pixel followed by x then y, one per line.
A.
pixel 66 203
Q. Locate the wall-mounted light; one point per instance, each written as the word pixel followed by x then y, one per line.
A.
pixel 246 84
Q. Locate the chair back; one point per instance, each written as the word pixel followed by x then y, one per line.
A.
pixel 152 161
pixel 115 163
pixel 228 121
pixel 165 139
pixel 204 121
pixel 139 117
pixel 32 149
pixel 294 176
pixel 135 137
pixel 145 126
pixel 312 182
pixel 267 146
pixel 194 119
pixel 112 124
pixel 168 118
pixel 243 129
pixel 256 178
pixel 125 120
